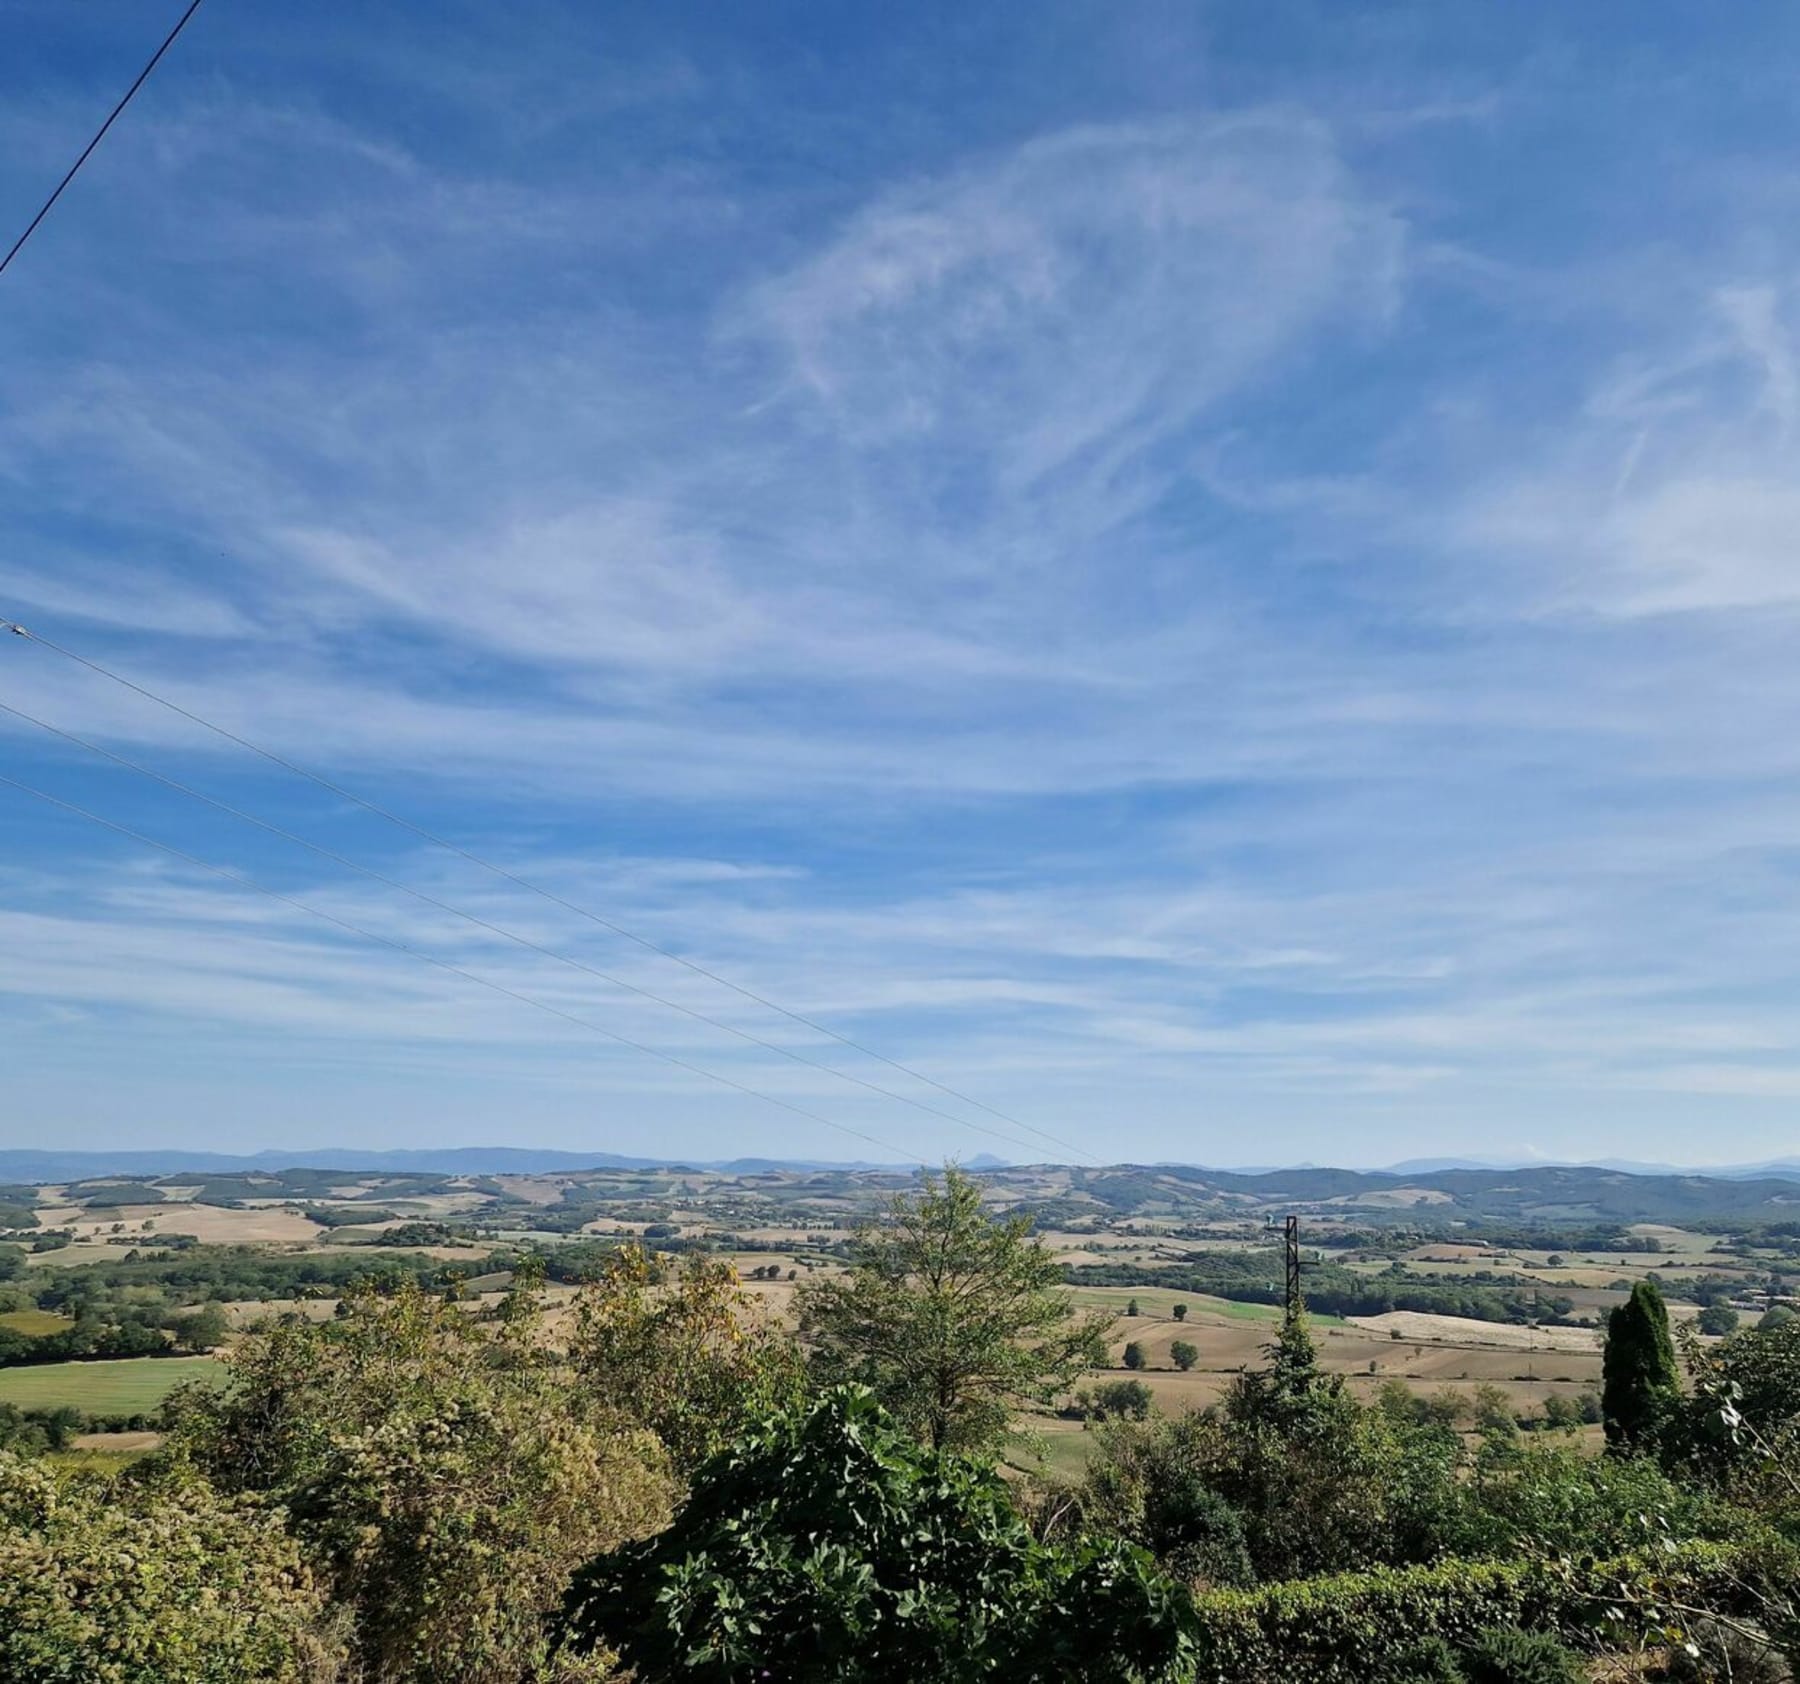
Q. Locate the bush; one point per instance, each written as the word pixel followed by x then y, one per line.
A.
pixel 442 1481
pixel 149 1579
pixel 1506 1655
pixel 1147 1483
pixel 1429 1661
pixel 828 1547
pixel 1350 1628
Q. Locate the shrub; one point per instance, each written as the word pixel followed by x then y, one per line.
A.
pixel 1428 1661
pixel 828 1547
pixel 1352 1627
pixel 1147 1483
pixel 444 1481
pixel 150 1578
pixel 1506 1655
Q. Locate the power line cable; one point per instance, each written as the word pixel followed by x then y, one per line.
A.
pixel 99 135
pixel 497 929
pixel 445 965
pixel 534 888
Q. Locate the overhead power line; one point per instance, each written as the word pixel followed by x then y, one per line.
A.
pixel 537 889
pixel 99 135
pixel 411 952
pixel 500 930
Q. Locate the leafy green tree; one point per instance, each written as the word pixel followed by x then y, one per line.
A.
pixel 151 1579
pixel 830 1548
pixel 1184 1354
pixel 1561 1413
pixel 1131 1309
pixel 1739 1427
pixel 1125 1400
pixel 204 1329
pixel 1134 1355
pixel 693 1359
pixel 444 1477
pixel 1494 1411
pixel 1638 1377
pixel 954 1319
pixel 1718 1320
pixel 1180 1312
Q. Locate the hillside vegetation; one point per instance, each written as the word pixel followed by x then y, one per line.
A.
pixel 462 1471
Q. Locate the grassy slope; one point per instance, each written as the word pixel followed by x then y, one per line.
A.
pixel 103 1388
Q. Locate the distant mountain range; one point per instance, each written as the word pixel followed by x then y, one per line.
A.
pixel 31 1166
pixel 1438 1191
pixel 1784 1167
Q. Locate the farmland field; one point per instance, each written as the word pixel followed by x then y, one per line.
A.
pixel 34 1324
pixel 126 1387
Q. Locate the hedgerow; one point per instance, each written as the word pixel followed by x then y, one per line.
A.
pixel 1356 1628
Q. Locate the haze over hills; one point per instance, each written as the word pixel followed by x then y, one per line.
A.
pixel 36 1166
pixel 47 1166
pixel 1427 1198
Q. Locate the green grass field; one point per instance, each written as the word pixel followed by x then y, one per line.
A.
pixel 126 1387
pixel 1159 1303
pixel 34 1323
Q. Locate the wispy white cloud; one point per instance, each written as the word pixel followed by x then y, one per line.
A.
pixel 1158 610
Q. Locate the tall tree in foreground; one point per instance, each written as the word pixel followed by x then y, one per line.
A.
pixel 1638 1378
pixel 953 1318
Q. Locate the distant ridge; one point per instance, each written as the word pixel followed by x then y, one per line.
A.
pixel 1783 1167
pixel 32 1166
pixel 44 1166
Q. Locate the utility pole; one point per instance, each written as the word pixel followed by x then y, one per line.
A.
pixel 1292 1297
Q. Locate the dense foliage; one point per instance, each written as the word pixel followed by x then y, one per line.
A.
pixel 954 1319
pixel 829 1547
pixel 1639 1383
pixel 689 1362
pixel 442 1480
pixel 158 1578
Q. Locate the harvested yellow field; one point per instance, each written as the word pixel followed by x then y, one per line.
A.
pixel 212 1224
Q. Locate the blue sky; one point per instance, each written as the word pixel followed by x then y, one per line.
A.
pixel 1220 578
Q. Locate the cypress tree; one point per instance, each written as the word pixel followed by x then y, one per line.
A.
pixel 1638 1372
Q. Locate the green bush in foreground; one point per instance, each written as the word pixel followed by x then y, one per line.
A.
pixel 1430 1660
pixel 150 1581
pixel 831 1548
pixel 1507 1656
pixel 1352 1628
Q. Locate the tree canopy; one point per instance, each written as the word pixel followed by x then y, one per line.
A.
pixel 954 1319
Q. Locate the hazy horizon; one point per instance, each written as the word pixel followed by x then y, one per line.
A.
pixel 1217 581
